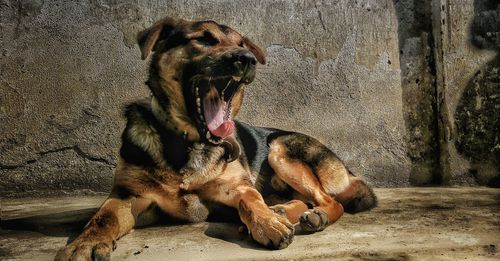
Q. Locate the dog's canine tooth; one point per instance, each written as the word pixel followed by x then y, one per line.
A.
pixel 237 78
pixel 227 85
pixel 209 136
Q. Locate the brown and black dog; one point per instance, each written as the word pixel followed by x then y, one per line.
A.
pixel 182 152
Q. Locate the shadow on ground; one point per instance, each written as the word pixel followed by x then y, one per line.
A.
pixel 420 223
pixel 63 224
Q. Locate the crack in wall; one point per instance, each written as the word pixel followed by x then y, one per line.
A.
pixel 320 16
pixel 74 148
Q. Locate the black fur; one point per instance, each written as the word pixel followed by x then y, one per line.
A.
pixel 175 147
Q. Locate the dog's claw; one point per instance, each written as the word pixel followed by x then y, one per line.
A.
pixel 85 250
pixel 279 210
pixel 102 252
pixel 184 186
pixel 275 232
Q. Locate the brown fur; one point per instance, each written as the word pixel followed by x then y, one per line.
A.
pixel 302 179
pixel 167 163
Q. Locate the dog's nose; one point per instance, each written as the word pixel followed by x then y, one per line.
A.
pixel 245 58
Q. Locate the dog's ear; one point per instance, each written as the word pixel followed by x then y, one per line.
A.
pixel 148 38
pixel 261 58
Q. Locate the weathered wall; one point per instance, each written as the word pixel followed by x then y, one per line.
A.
pixel 469 65
pixel 418 77
pixel 68 67
pixel 414 103
pixel 451 90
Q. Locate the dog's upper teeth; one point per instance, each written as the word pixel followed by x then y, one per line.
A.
pixel 237 78
pixel 198 103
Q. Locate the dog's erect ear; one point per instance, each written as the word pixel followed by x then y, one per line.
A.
pixel 148 38
pixel 261 58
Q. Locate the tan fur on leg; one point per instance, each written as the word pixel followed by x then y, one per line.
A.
pixel 302 179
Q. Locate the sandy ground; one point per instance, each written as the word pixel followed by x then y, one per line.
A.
pixel 410 223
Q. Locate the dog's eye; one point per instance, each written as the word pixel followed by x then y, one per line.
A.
pixel 207 39
pixel 240 44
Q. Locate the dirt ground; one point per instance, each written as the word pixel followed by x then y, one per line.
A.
pixel 409 223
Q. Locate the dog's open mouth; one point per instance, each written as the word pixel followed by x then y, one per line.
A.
pixel 214 106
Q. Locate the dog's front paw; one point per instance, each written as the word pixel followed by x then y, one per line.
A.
pixel 272 230
pixel 86 250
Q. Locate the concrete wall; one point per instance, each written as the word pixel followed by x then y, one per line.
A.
pixel 68 67
pixel 418 77
pixel 469 65
pixel 451 90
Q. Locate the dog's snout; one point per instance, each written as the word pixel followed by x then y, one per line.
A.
pixel 246 58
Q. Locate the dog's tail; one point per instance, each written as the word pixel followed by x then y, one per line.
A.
pixel 358 196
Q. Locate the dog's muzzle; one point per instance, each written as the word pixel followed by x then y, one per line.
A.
pixel 214 93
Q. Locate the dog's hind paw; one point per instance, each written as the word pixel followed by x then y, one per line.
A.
pixel 314 220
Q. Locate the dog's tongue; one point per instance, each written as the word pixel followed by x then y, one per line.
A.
pixel 224 130
pixel 214 110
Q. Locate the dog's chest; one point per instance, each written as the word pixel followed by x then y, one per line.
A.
pixel 205 163
pixel 205 173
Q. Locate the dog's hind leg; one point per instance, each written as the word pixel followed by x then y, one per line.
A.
pixel 301 178
pixel 318 176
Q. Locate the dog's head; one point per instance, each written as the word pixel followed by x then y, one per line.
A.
pixel 197 74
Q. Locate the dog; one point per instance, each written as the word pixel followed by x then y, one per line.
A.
pixel 183 153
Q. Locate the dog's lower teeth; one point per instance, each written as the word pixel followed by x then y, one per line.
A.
pixel 208 135
pixel 214 141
